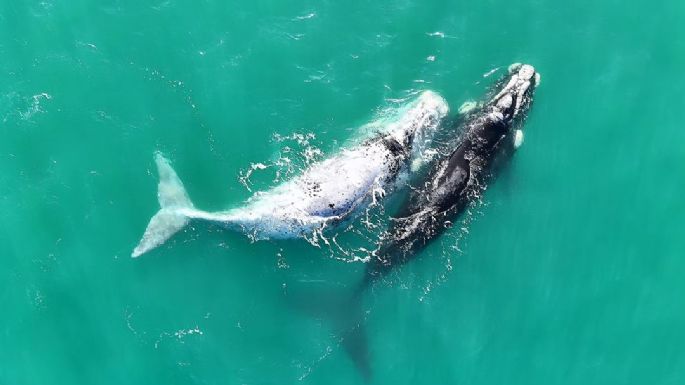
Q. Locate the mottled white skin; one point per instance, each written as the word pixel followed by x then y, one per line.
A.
pixel 332 189
pixel 325 194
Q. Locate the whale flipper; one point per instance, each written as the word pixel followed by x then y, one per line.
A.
pixel 518 139
pixel 171 217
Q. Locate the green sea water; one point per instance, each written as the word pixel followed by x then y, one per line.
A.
pixel 570 272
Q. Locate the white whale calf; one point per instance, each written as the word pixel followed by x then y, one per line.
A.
pixel 324 194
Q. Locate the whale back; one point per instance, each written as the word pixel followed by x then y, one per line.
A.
pixel 332 189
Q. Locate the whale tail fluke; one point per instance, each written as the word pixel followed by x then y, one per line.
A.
pixel 172 215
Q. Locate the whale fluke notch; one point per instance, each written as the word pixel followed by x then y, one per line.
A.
pixel 173 202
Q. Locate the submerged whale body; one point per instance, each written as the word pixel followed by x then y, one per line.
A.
pixel 487 133
pixel 323 195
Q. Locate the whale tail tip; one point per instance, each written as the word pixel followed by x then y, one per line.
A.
pixel 344 313
pixel 171 217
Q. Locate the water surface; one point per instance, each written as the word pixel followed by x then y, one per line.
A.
pixel 571 271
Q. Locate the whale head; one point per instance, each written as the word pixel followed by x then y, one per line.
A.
pixel 417 125
pixel 515 92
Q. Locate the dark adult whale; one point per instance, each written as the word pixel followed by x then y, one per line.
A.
pixel 325 194
pixel 490 131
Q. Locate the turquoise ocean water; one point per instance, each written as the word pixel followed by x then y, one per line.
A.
pixel 570 272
